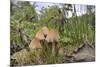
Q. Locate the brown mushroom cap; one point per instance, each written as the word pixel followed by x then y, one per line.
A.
pixel 35 44
pixel 52 36
pixel 45 30
pixel 40 35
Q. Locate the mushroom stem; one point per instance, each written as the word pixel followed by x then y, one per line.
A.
pixel 53 49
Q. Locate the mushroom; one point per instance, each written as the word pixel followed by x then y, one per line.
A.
pixel 36 43
pixel 36 49
pixel 40 35
pixel 53 37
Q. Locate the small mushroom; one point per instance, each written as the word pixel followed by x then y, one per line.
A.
pixel 36 49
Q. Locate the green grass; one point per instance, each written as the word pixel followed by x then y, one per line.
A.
pixel 76 31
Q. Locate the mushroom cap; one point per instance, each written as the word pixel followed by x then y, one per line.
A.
pixel 35 44
pixel 45 30
pixel 40 35
pixel 52 36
